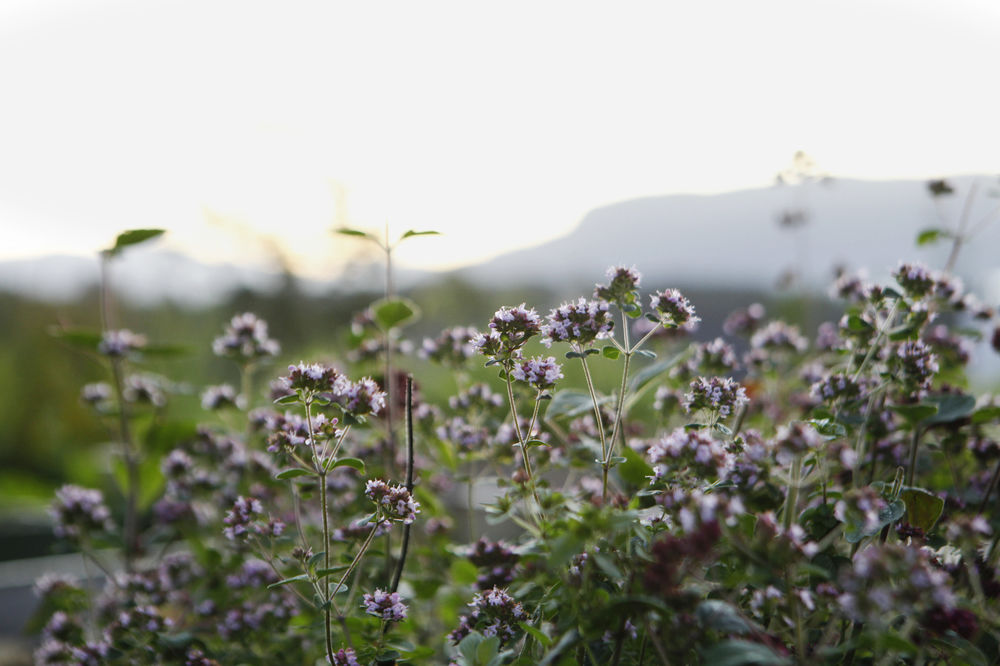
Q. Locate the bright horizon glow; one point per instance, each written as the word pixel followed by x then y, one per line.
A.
pixel 251 129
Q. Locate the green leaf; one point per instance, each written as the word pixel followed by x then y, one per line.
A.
pixel 950 407
pixel 855 531
pixel 722 617
pixel 487 650
pixel 575 354
pixel 828 428
pixel 354 463
pixel 531 443
pixel 323 573
pixel 915 413
pixel 986 414
pixel 387 656
pixel 923 508
pixel 612 352
pixel 904 331
pixel 133 237
pixel 411 233
pixel 393 313
pixel 645 353
pixel 570 402
pixel 77 337
pixel 317 558
pixel 164 350
pixel 286 581
pixel 741 653
pixel 651 372
pixel 469 645
pixel 931 235
pixel 635 471
pixel 537 634
pixel 568 640
pixel 856 324
pixel 292 472
pixel 286 399
pixel 355 232
pixel 463 572
pixel 607 565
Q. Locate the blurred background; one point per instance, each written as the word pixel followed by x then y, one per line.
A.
pixel 739 151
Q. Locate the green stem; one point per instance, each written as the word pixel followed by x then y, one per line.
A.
pixel 409 482
pixel 131 467
pixel 793 493
pixel 914 445
pixel 989 489
pixel 321 470
pixel 520 437
pixel 597 406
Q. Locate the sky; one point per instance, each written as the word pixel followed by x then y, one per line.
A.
pixel 249 130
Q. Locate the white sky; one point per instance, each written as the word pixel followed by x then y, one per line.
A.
pixel 499 124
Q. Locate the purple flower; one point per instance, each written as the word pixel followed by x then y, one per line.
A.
pixel 692 449
pixel 621 290
pixel 246 519
pixel 97 395
pixel 314 378
pixel 542 373
pixel 220 397
pixel 578 323
pixel 778 335
pixel 78 511
pixel 674 309
pixel 144 389
pixel 452 347
pixel 393 502
pixel 915 279
pixel 384 605
pixel 717 394
pixel 361 397
pixel 917 365
pixel 494 613
pixel 510 328
pixel 245 339
pixel 120 343
pixel 344 657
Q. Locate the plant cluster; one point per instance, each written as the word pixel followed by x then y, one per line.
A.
pixel 764 498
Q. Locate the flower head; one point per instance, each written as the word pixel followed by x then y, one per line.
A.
pixel 578 323
pixel 78 511
pixel 120 343
pixel 393 502
pixel 384 605
pixel 621 290
pixel 541 373
pixel 674 309
pixel 245 338
pixel 510 328
pixel 716 394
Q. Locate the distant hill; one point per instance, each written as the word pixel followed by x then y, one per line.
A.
pixel 716 241
pixel 736 239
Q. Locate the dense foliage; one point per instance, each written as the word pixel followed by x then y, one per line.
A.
pixel 764 498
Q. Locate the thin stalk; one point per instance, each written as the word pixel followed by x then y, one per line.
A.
pixel 914 445
pixel 597 407
pixel 321 470
pixel 793 492
pixel 960 237
pixel 800 643
pixel 989 489
pixel 354 562
pixel 520 438
pixel 409 481
pixel 131 467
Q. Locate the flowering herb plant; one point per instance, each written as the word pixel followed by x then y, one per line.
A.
pixel 762 498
